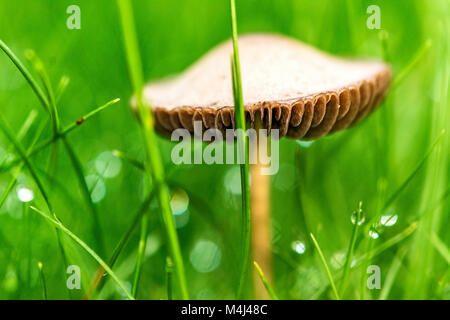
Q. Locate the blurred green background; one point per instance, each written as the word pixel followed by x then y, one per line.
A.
pixel 316 189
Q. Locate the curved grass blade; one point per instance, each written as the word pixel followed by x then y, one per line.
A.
pixel 83 245
pixel 351 249
pixel 63 132
pixel 98 281
pixel 140 256
pixel 325 265
pixel 266 283
pixel 26 74
pixel 413 62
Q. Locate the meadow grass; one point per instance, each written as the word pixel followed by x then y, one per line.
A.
pixel 396 161
pixel 242 143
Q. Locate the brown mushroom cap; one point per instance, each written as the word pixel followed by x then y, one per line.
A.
pixel 295 88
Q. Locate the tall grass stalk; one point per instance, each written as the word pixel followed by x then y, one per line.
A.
pixel 140 254
pixel 82 244
pixel 48 102
pixel 325 265
pixel 155 167
pixel 239 114
pixel 98 281
pixel 351 249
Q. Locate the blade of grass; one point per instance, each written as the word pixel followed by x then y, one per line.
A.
pixel 63 132
pixel 76 164
pixel 391 274
pixel 134 162
pixel 375 252
pixel 351 249
pixel 140 255
pixel 51 105
pixel 412 63
pixel 155 167
pixel 13 180
pixel 98 281
pixel 242 143
pixel 62 86
pixel 440 247
pixel 82 244
pixel 266 283
pixel 44 284
pixel 325 264
pixel 26 74
pixel 414 172
pixel 9 134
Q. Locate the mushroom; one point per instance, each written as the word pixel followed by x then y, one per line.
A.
pixel 287 85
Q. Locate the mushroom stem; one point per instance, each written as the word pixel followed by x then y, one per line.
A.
pixel 260 204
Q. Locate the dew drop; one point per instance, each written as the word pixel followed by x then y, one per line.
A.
pixel 388 220
pixel 25 195
pixel 298 247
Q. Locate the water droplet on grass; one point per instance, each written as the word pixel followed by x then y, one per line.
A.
pixel 298 246
pixel 374 234
pixel 388 220
pixel 354 218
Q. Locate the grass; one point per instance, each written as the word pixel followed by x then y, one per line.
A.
pixel 396 161
pixel 326 267
pixel 57 224
pixel 266 283
pixel 154 168
pixel 242 144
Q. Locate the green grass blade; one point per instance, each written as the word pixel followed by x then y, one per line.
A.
pixel 266 283
pixel 392 274
pixel 31 81
pixel 155 168
pixel 63 132
pixel 140 255
pixel 51 104
pixel 76 164
pixel 351 249
pixel 98 281
pixel 43 282
pixel 414 172
pixel 240 124
pixel 413 62
pixel 62 86
pixel 19 168
pixel 8 133
pixel 440 247
pixel 139 165
pixel 83 245
pixel 325 265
